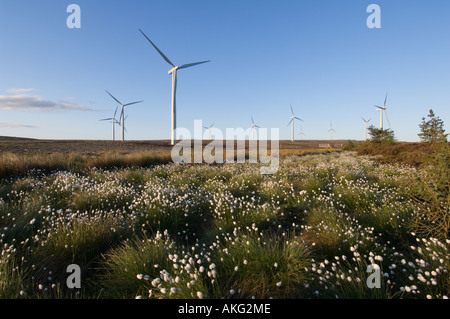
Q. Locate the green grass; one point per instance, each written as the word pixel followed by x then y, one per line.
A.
pixel 262 266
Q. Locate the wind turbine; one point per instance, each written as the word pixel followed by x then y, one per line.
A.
pixel 365 128
pixel 293 118
pixel 209 130
pixel 382 109
pixel 253 128
pixel 122 119
pixel 331 130
pixel 114 122
pixel 173 71
pixel 301 133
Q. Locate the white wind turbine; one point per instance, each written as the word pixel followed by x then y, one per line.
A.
pixel 301 133
pixel 122 118
pixel 114 122
pixel 209 130
pixel 253 128
pixel 365 128
pixel 173 71
pixel 382 109
pixel 293 118
pixel 331 130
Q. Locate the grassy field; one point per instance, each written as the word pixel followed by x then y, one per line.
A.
pixel 18 155
pixel 160 230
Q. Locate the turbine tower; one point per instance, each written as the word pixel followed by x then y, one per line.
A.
pixel 209 130
pixel 173 72
pixel 331 130
pixel 253 128
pixel 382 109
pixel 122 119
pixel 365 128
pixel 114 122
pixel 293 118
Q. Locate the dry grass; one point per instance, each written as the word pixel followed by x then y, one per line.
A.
pixel 19 164
pixel 412 154
pixel 19 156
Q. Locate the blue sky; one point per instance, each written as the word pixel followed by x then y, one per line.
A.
pixel 319 56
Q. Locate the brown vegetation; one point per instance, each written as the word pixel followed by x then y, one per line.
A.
pixel 413 154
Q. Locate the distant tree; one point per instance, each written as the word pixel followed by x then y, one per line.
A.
pixel 432 131
pixel 381 136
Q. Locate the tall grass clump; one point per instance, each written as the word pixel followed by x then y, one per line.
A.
pixel 254 265
pixel 427 270
pixel 72 239
pixel 155 268
pixel 121 265
pixel 11 275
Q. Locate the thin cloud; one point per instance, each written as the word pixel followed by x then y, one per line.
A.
pixel 16 125
pixel 33 103
pixel 19 91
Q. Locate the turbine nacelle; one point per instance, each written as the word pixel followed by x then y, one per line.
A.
pixel 173 70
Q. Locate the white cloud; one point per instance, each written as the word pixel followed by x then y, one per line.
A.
pixel 16 125
pixel 32 103
pixel 19 91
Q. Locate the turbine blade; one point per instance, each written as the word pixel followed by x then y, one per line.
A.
pixel 298 118
pixel 106 119
pixel 184 66
pixel 115 112
pixel 385 113
pixel 133 103
pixel 114 97
pixel 292 111
pixel 385 100
pixel 159 51
pixel 290 122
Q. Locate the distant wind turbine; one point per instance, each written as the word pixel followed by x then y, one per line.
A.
pixel 253 128
pixel 365 128
pixel 293 118
pixel 301 133
pixel 382 109
pixel 173 71
pixel 122 119
pixel 209 130
pixel 114 122
pixel 331 130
